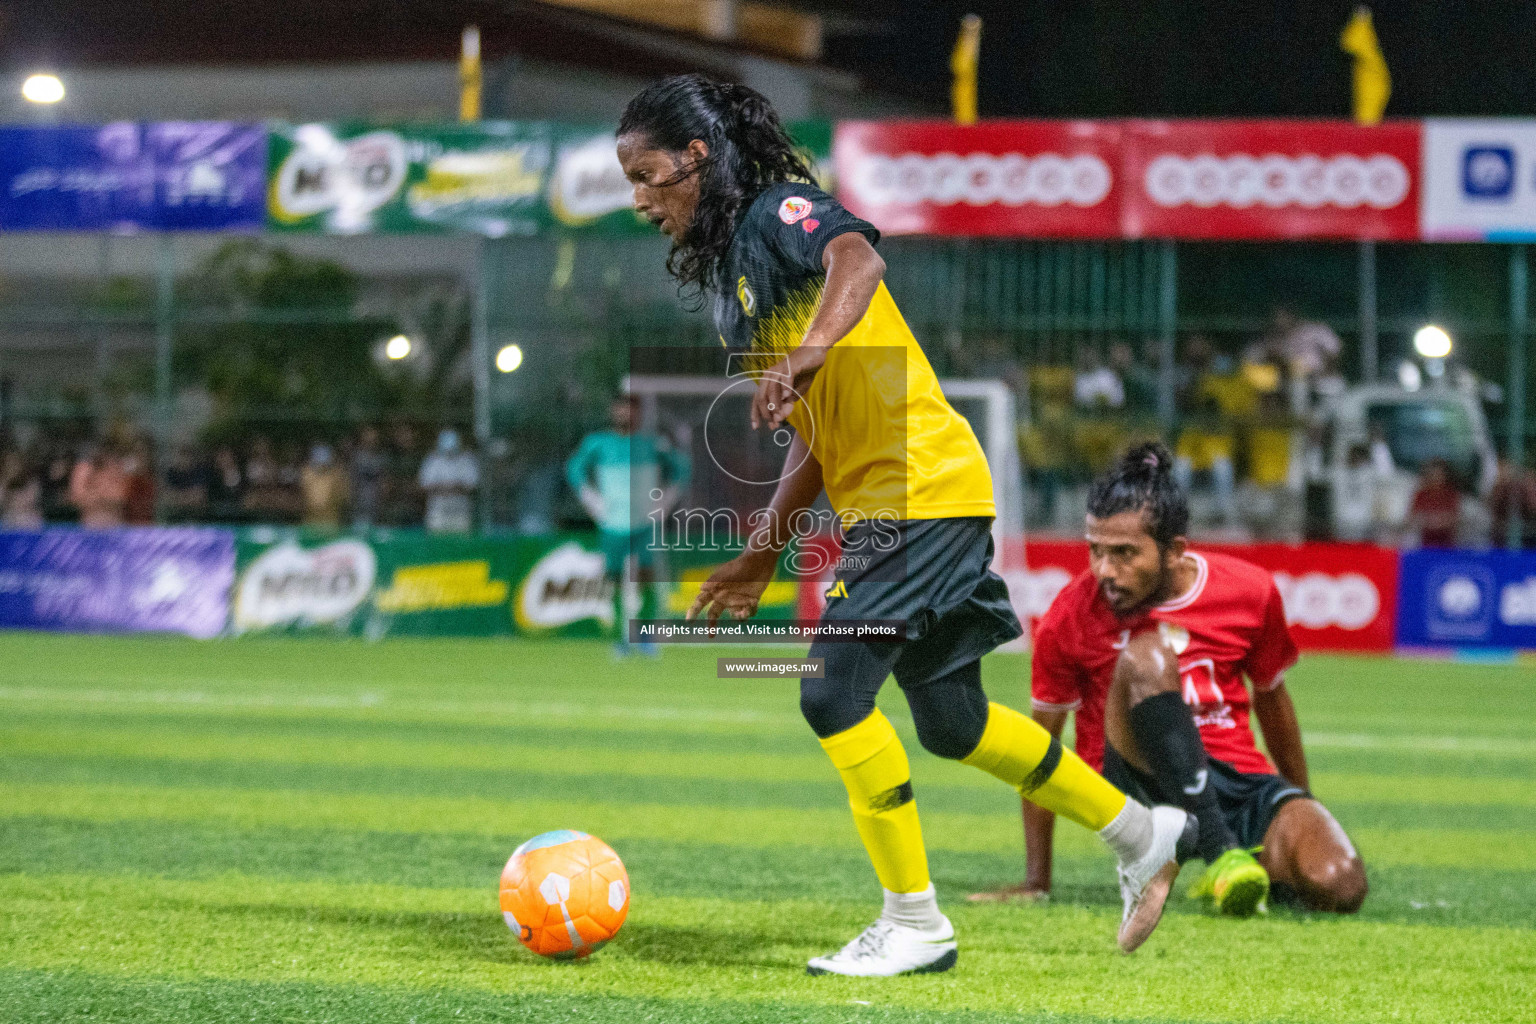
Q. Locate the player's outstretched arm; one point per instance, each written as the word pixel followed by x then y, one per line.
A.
pixel 854 271
pixel 737 585
pixel 1282 732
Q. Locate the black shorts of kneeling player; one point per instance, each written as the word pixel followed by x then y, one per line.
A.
pixel 1249 801
pixel 934 575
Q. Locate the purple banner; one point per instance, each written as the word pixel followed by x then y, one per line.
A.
pixel 176 176
pixel 133 580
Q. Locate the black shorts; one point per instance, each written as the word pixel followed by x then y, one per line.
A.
pixel 1248 801
pixel 934 575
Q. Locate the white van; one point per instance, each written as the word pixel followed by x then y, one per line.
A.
pixel 1438 422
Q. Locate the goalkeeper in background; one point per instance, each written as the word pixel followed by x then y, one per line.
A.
pixel 616 474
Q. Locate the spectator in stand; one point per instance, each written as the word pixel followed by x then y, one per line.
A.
pixel 226 485
pixel 20 494
pixel 98 487
pixel 264 490
pixel 1513 493
pixel 1139 379
pixel 450 476
pixel 139 505
pixel 1096 387
pixel 1357 502
pixel 1436 509
pixel 370 466
pixel 324 486
pixel 402 492
pixel 1308 346
pixel 56 504
pixel 1269 491
pixel 186 487
pixel 1381 452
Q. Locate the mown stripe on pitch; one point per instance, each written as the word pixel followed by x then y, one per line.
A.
pixel 78 997
pixel 1442 896
pixel 638 787
pixel 943 830
pixel 1024 960
pixel 567 759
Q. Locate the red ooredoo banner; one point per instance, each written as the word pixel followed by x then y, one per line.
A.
pixel 1270 179
pixel 1338 597
pixel 1041 179
pixel 1133 179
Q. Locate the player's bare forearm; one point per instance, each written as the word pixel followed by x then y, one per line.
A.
pixel 1282 733
pixel 736 587
pixel 1039 823
pixel 797 490
pixel 854 271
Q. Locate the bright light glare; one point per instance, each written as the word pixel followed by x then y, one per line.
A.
pixel 1432 342
pixel 398 347
pixel 509 358
pixel 42 89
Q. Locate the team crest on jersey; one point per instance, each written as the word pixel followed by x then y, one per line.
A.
pixel 744 293
pixel 1176 637
pixel 794 209
pixel 838 589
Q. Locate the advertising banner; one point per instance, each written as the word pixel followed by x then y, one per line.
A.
pixel 1043 179
pixel 1468 599
pixel 1479 180
pixel 1270 179
pixel 408 583
pixel 486 178
pixel 132 580
pixel 1338 597
pixel 207 175
pixel 493 178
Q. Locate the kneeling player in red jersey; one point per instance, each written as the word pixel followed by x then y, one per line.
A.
pixel 1149 648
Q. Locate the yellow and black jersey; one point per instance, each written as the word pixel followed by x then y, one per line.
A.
pixel 889 443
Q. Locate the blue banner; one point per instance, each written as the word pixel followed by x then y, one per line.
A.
pixel 175 176
pixel 1467 599
pixel 132 580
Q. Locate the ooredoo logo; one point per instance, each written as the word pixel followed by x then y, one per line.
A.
pixel 1032 591
pixel 1240 181
pixel 1316 600
pixel 982 179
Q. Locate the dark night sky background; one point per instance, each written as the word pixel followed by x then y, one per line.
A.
pixel 1039 58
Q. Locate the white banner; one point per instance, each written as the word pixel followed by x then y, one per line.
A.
pixel 1479 180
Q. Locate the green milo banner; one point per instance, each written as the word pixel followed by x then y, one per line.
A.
pixel 493 178
pixel 410 583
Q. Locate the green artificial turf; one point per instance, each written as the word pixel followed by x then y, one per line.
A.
pixel 295 830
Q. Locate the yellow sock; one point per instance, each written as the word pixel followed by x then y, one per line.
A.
pixel 1021 753
pixel 874 767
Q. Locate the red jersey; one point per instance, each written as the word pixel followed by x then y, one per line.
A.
pixel 1230 624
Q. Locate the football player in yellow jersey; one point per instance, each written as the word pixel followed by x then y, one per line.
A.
pixel 797 287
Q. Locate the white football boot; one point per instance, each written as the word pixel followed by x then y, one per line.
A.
pixel 1146 882
pixel 886 948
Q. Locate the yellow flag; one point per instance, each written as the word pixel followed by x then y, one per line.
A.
pixel 469 75
pixel 1373 85
pixel 964 62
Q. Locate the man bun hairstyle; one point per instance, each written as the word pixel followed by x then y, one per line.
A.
pixel 749 150
pixel 1143 482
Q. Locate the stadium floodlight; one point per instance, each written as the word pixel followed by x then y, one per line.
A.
pixel 42 89
pixel 1432 342
pixel 398 347
pixel 509 358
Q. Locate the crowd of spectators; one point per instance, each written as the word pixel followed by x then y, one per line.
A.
pixel 361 481
pixel 1253 442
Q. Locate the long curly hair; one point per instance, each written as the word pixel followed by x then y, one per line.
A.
pixel 748 151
